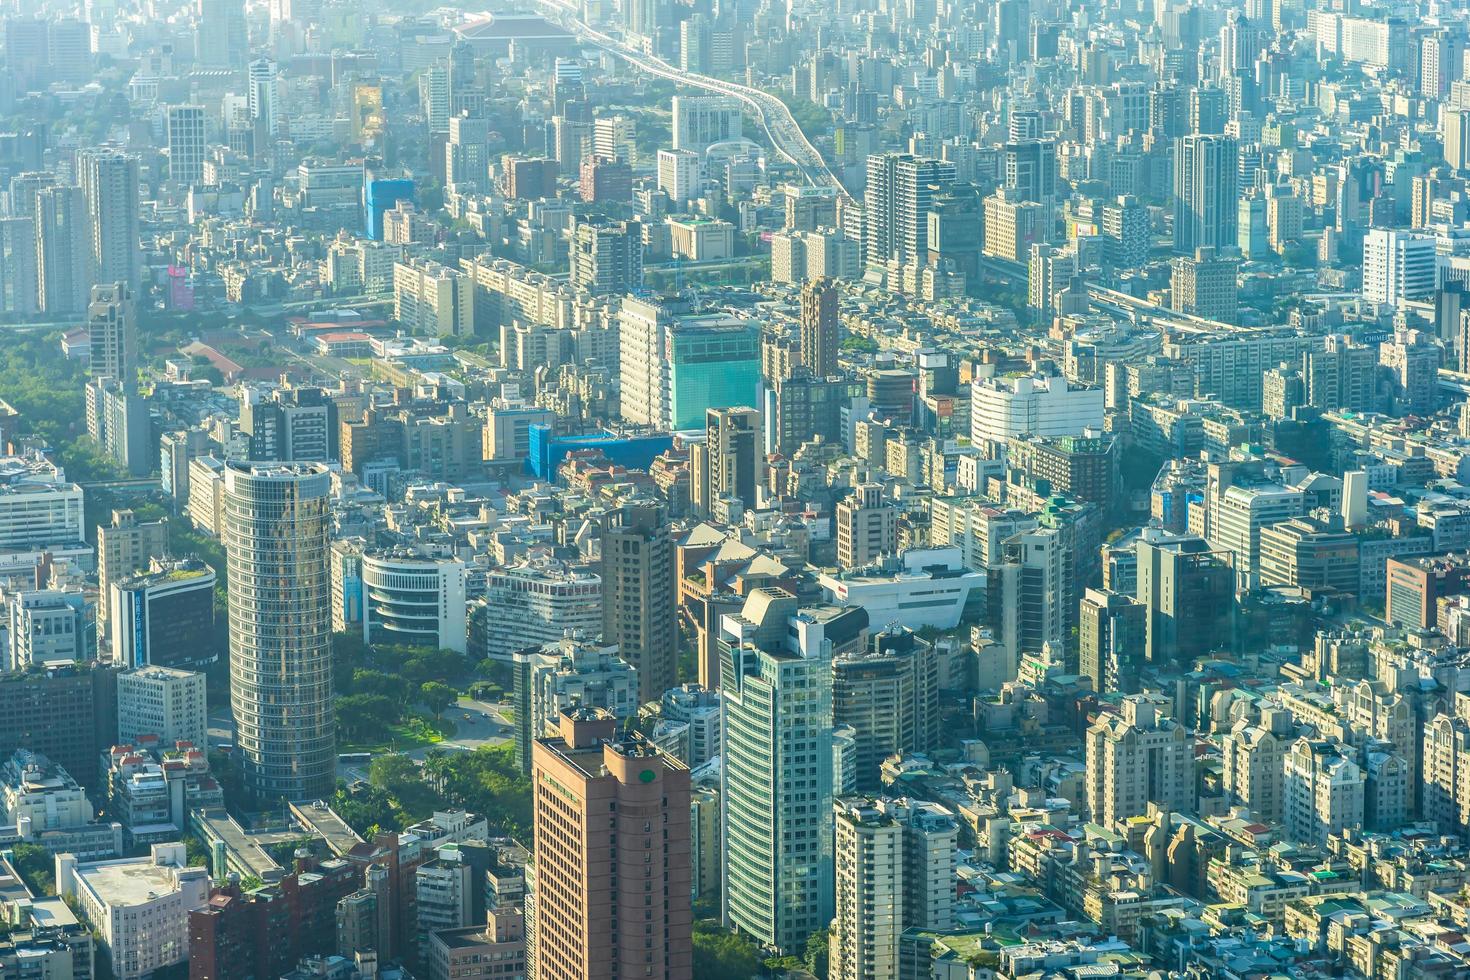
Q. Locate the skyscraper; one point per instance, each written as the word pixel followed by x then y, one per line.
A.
pixel 276 524
pixel 262 99
pixel 186 143
pixel 730 457
pixel 223 39
pixel 109 180
pixel 607 256
pixel 18 265
pixel 111 320
pixel 896 206
pixel 819 327
pixel 776 743
pixel 612 889
pixel 1206 177
pixel 63 250
pixel 638 594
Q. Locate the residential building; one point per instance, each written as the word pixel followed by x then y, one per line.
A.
pixel 163 702
pixel 1135 758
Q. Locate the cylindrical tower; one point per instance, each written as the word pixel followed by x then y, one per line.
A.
pixel 276 531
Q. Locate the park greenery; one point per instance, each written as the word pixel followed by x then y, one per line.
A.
pixel 399 792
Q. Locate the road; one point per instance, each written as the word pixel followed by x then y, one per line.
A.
pixel 477 723
pixel 774 117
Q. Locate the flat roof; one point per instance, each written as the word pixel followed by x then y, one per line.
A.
pixel 128 882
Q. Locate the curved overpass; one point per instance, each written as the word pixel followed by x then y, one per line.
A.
pixel 775 118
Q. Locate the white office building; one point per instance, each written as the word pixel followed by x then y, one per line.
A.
pixel 537 602
pixel 1397 266
pixel 413 600
pixel 923 587
pixel 139 907
pixel 1031 405
pixel 162 701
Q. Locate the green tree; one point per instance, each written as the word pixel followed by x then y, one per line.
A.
pixel 366 717
pixel 437 697
pixel 36 867
pixel 816 954
pixel 723 955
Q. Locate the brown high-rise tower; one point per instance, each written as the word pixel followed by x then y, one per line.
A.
pixel 613 863
pixel 819 328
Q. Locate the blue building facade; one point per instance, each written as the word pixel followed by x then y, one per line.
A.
pixel 633 452
pixel 379 197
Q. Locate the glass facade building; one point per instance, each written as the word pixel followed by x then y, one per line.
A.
pixel 714 366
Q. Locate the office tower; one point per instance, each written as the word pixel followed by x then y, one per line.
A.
pixel 1456 126
pixel 819 328
pixel 263 99
pixel 605 179
pixel 434 103
pixel 1397 266
pixel 112 322
pixel 124 548
pixel 676 362
pixel 607 256
pixel 535 602
pixel 895 863
pixel 1208 110
pixel 1135 758
pixel 808 407
pixel 612 888
pixel 1031 170
pixel 67 713
pixel 162 615
pixel 109 181
pixel 1188 589
pixel 288 424
pixel 44 627
pixel 729 461
pixel 776 779
pixel 411 599
pixel 1006 408
pixel 569 673
pixel 18 280
pixel 63 250
pixel 678 175
pixel 1204 285
pixel 379 196
pixel 897 200
pixel 615 137
pixel 888 694
pixel 467 156
pixel 571 141
pixel 276 524
pixel 186 143
pixel 1206 202
pixel 1112 636
pixel 28 52
pixel 702 120
pixel 223 36
pixel 638 594
pixel 867 527
pixel 162 701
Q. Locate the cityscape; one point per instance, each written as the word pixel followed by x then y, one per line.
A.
pixel 734 490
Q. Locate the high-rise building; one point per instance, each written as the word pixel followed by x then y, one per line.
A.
pixel 612 887
pixel 1204 285
pixel 223 39
pixel 729 460
pixel 1031 170
pixel 702 120
pixel 1188 589
pixel 112 325
pixel 819 328
pixel 562 676
pixel 162 701
pixel 18 278
pixel 276 525
pixel 1112 635
pixel 1397 266
pixel 109 181
pixel 1322 790
pixel 607 257
pixel 678 175
pixel 895 865
pixel 263 99
pixel 639 593
pixel 125 547
pixel 1125 233
pixel 63 250
pixel 535 602
pixel 888 694
pixel 776 747
pixel 867 527
pixel 186 143
pixel 1206 178
pixel 1135 758
pixel 1043 405
pixel 900 189
pixel 163 615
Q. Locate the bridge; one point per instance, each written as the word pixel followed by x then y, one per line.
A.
pixel 775 119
